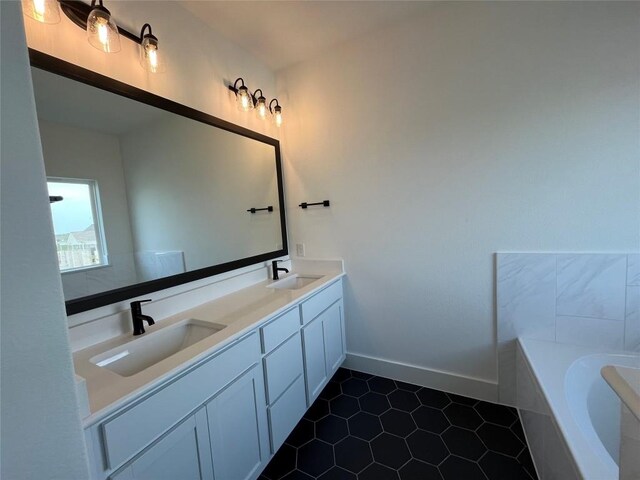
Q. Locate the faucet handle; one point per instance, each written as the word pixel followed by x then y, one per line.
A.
pixel 139 302
pixel 136 306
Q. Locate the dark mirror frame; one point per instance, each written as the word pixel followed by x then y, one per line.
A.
pixel 60 67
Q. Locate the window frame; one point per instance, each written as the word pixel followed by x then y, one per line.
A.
pixel 98 222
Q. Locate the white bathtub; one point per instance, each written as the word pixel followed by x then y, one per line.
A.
pixel 561 385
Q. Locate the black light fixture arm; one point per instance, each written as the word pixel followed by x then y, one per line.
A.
pixel 234 88
pixel 150 34
pixel 257 97
pixel 271 103
pixel 78 12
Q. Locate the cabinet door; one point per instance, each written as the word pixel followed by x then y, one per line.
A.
pixel 333 337
pixel 238 428
pixel 315 365
pixel 183 453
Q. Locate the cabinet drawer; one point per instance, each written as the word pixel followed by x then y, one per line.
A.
pixel 282 366
pixel 286 413
pixel 315 305
pixel 276 331
pixel 134 429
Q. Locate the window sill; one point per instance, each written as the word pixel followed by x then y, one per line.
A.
pixel 84 269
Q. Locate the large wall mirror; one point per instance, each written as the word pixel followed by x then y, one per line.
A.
pixel 146 193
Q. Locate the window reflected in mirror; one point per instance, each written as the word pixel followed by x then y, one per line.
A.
pixel 77 223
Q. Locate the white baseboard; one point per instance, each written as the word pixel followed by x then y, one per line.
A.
pixel 438 380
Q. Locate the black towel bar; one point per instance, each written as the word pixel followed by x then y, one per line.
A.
pixel 254 210
pixel 324 203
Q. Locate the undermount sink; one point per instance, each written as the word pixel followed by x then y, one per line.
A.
pixel 294 282
pixel 141 353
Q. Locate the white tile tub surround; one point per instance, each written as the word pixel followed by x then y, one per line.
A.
pixel 633 269
pixel 590 299
pixel 590 331
pixel 591 286
pixel 632 319
pixel 548 449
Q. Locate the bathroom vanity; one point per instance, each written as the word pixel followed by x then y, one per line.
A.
pixel 222 406
pixel 174 199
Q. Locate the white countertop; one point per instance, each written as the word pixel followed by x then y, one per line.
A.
pixel 240 312
pixel 625 381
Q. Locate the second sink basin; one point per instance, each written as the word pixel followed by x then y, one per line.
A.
pixel 294 282
pixel 141 353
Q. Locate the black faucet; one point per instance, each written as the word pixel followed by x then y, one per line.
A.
pixel 275 269
pixel 138 318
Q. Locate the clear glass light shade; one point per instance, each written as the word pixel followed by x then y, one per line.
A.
pixel 243 99
pixel 44 11
pixel 102 31
pixel 151 58
pixel 261 108
pixel 277 115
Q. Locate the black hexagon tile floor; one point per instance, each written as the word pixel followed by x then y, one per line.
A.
pixel 364 427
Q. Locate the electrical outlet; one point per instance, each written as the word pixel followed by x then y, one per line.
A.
pixel 300 249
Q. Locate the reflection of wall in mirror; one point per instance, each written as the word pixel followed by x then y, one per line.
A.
pixel 79 153
pixel 189 186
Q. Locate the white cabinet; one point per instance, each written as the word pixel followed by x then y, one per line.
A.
pixel 247 398
pixel 238 428
pixel 334 342
pixel 284 375
pixel 323 340
pixel 287 411
pixel 182 453
pixel 314 359
pixel 225 440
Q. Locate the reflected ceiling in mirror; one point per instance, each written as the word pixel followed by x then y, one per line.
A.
pixel 154 194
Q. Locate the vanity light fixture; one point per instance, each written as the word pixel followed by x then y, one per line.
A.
pixel 44 11
pixel 150 57
pixel 247 100
pixel 276 111
pixel 104 34
pixel 244 99
pixel 102 31
pixel 260 104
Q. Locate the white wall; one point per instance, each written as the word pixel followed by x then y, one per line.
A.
pixel 72 152
pixel 41 435
pixel 189 187
pixel 478 128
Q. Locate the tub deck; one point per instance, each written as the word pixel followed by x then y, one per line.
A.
pixel 562 382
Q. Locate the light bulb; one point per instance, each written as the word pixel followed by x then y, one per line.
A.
pixel 102 31
pixel 150 57
pixel 245 102
pixel 277 115
pixel 103 34
pixel 261 107
pixel 44 11
pixel 153 58
pixel 39 9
